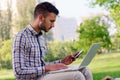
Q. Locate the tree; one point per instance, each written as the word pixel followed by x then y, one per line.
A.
pixel 113 6
pixel 6 55
pixel 91 31
pixel 58 50
pixel 25 13
pixel 5 22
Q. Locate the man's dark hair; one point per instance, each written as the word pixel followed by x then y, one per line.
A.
pixel 45 8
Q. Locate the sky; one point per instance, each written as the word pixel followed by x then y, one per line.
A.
pixel 71 8
pixel 76 8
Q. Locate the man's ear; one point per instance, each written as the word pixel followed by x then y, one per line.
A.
pixel 41 17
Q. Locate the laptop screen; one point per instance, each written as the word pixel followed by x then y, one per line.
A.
pixel 90 54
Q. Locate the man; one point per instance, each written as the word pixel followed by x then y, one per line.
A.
pixel 29 48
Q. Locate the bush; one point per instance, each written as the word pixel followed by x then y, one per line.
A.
pixel 58 50
pixel 6 55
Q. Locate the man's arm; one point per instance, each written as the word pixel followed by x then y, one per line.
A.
pixel 54 62
pixel 54 67
pixel 21 71
pixel 67 60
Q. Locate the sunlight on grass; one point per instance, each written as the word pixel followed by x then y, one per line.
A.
pixel 6 75
pixel 105 63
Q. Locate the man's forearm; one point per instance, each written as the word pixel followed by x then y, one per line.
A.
pixel 54 62
pixel 29 72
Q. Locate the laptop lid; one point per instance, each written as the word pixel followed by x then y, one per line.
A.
pixel 91 53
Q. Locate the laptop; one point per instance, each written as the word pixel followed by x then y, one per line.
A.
pixel 86 60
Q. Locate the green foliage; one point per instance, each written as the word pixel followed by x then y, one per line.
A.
pixel 91 31
pixel 25 13
pixel 5 23
pixel 81 45
pixel 6 55
pixel 113 6
pixel 58 50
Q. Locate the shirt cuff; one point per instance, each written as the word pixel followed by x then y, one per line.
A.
pixel 41 70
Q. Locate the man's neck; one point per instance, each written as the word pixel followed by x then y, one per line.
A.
pixel 35 27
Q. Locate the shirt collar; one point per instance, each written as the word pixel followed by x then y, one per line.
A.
pixel 33 31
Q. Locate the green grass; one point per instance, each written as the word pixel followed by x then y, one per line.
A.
pixel 101 66
pixel 6 75
pixel 104 65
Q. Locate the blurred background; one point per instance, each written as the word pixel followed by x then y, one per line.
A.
pixel 79 24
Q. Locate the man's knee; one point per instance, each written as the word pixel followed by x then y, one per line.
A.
pixel 79 76
pixel 87 73
pixel 85 69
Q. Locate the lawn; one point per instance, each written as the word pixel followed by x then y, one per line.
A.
pixel 6 75
pixel 101 66
pixel 106 64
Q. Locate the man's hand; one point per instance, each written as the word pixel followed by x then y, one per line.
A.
pixel 56 66
pixel 69 59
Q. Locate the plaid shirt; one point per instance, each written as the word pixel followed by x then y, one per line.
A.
pixel 28 55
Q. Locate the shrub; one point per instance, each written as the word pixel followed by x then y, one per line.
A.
pixel 58 50
pixel 6 55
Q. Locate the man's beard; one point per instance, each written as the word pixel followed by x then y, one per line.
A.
pixel 42 27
